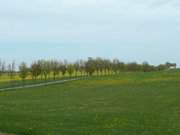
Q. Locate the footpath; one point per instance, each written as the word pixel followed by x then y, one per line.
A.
pixel 39 85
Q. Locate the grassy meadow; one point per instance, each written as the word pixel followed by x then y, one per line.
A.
pixel 127 104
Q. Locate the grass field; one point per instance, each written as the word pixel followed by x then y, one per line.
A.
pixel 128 104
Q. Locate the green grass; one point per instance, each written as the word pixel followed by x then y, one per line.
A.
pixel 128 104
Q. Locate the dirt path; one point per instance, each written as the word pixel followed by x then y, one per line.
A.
pixel 39 85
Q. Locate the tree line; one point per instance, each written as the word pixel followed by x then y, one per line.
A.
pixel 46 69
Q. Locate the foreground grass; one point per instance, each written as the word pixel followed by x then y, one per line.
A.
pixel 129 104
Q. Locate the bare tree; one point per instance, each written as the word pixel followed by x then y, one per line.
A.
pixel 76 68
pixel 35 70
pixel 45 67
pixel 11 70
pixel 23 71
pixel 1 68
pixel 70 69
pixel 82 66
pixel 115 66
pixel 90 66
pixel 55 68
pixel 63 69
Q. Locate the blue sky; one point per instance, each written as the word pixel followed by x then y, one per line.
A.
pixel 131 30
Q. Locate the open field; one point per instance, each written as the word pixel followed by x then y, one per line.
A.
pixel 127 104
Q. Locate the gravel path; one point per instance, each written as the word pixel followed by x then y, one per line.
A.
pixel 38 85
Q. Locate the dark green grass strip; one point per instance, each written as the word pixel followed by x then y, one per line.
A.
pixel 136 105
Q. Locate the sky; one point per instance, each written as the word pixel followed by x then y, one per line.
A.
pixel 131 30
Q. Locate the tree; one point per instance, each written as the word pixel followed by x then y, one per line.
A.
pixel 90 66
pixel 63 69
pixel 76 67
pixel 81 67
pixel 8 69
pixel 1 68
pixel 145 67
pixel 121 66
pixel 99 65
pixel 116 66
pixel 55 68
pixel 70 69
pixel 13 68
pixel 107 66
pixel 35 70
pixel 133 67
pixel 45 68
pixel 23 71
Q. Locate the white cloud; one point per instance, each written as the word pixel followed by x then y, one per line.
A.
pixel 88 20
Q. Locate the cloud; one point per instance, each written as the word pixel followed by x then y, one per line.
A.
pixel 88 20
pixel 118 23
